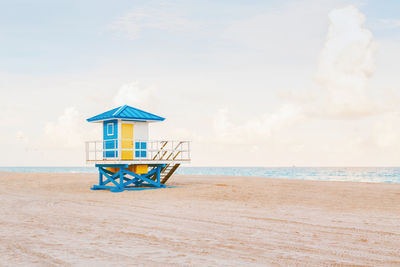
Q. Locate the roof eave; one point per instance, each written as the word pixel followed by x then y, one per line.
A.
pixel 127 119
pixel 138 119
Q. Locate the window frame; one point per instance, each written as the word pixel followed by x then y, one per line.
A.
pixel 112 128
pixel 140 149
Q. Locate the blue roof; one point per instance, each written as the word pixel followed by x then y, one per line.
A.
pixel 128 113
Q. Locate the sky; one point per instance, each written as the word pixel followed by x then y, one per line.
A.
pixel 250 83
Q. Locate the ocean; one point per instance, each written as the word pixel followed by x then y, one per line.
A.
pixel 355 174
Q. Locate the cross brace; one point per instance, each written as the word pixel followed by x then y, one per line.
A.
pixel 124 179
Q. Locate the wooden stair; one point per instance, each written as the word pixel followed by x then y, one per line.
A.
pixel 167 172
pixel 169 169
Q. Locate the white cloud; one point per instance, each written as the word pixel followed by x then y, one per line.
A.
pixel 345 65
pixel 132 24
pixel 22 137
pixel 136 95
pixel 67 132
pixel 289 32
pixel 221 123
pixel 256 129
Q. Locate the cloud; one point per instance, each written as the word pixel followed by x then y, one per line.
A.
pixel 136 95
pixel 257 129
pixel 289 31
pixel 135 22
pixel 345 65
pixel 67 131
pixel 344 68
pixel 22 137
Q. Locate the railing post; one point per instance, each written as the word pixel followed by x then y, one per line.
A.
pixel 172 149
pixel 87 150
pixel 119 145
pixel 188 150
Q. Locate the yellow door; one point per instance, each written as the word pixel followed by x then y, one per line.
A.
pixel 127 141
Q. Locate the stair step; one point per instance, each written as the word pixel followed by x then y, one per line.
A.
pixel 169 173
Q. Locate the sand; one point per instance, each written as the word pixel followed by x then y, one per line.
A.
pixel 54 219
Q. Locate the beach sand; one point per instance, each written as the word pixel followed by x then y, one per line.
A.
pixel 55 219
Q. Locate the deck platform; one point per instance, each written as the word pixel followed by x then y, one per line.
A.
pixel 157 162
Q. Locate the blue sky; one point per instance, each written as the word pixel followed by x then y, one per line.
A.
pixel 242 79
pixel 63 35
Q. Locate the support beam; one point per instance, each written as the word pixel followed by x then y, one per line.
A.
pixel 111 178
pixel 158 174
pixel 100 178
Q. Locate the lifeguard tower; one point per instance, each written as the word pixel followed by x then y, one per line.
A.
pixel 126 158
